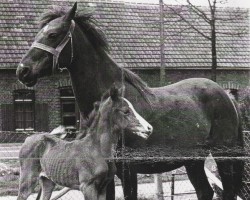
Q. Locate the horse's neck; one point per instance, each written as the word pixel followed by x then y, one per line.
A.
pixel 91 76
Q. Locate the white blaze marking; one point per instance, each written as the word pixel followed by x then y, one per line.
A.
pixel 45 28
pixel 142 121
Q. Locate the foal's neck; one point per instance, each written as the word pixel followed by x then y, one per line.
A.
pixel 102 136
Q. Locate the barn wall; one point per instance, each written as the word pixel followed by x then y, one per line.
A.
pixel 47 89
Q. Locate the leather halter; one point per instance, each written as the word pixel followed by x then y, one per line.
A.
pixel 56 51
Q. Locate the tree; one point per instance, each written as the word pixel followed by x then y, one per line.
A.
pixel 210 18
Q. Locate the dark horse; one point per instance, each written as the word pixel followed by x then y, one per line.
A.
pixel 190 118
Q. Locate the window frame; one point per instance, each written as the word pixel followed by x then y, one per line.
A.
pixel 24 98
pixel 68 99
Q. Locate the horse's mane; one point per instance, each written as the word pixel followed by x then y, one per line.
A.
pixel 136 81
pixel 84 19
pixel 88 24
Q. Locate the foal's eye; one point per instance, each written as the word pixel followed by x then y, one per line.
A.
pixel 53 35
pixel 126 112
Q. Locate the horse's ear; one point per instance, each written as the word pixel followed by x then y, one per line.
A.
pixel 114 93
pixel 71 13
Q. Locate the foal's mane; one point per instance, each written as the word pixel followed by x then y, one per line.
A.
pixel 84 19
pixel 88 25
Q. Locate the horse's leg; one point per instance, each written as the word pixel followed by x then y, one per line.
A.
pixel 129 181
pixel 47 187
pixel 28 177
pixel 198 178
pixel 231 173
pixel 110 194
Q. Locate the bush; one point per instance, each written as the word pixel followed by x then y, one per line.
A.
pixel 244 105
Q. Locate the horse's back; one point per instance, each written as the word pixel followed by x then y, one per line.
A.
pixel 32 146
pixel 194 112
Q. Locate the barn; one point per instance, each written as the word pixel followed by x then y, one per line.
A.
pixel 133 32
pixel 155 43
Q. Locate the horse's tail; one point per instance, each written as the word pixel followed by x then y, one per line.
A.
pixel 238 165
pixel 240 138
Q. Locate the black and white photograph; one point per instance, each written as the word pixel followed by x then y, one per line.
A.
pixel 125 100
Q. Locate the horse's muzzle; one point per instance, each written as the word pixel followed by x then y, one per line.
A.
pixel 25 76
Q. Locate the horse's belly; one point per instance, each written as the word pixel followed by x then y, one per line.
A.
pixel 60 170
pixel 157 167
pixel 184 127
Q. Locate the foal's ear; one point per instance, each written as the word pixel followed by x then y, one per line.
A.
pixel 114 93
pixel 71 13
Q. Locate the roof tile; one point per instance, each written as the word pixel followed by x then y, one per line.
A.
pixel 133 33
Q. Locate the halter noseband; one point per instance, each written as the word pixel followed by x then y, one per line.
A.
pixel 56 51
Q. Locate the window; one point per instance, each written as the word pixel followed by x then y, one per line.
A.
pixel 69 111
pixel 24 109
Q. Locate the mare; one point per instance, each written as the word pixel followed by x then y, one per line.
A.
pixel 86 164
pixel 190 118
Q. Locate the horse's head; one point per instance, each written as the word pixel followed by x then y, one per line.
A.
pixel 122 115
pixel 52 47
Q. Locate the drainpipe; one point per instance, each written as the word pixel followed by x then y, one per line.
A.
pixel 162 68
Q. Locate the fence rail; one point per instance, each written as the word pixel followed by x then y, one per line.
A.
pixel 175 185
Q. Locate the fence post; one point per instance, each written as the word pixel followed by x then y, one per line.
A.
pixel 159 188
pixel 172 186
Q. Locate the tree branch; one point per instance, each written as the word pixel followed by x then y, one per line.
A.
pixel 244 32
pixel 199 12
pixel 190 24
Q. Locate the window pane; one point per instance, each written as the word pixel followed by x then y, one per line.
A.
pixel 24 109
pixel 68 107
pixel 69 121
pixel 66 92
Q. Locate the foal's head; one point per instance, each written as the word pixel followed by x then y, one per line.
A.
pixel 120 114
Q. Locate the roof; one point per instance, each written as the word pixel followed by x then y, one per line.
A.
pixel 133 34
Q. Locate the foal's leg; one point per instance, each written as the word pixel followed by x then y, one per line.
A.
pixel 29 173
pixel 47 188
pixel 102 194
pixel 89 191
pixel 198 178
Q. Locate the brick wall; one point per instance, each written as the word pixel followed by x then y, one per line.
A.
pixel 47 89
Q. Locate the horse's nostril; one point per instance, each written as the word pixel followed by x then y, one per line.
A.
pixel 25 71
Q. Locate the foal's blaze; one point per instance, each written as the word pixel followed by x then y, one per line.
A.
pixel 126 117
pixel 146 129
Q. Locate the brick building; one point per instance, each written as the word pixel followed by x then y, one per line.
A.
pixel 133 33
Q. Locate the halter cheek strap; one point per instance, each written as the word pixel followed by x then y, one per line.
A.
pixel 56 51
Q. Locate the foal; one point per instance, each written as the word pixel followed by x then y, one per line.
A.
pixel 80 164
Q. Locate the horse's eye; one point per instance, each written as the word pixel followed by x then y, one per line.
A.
pixel 53 35
pixel 126 112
